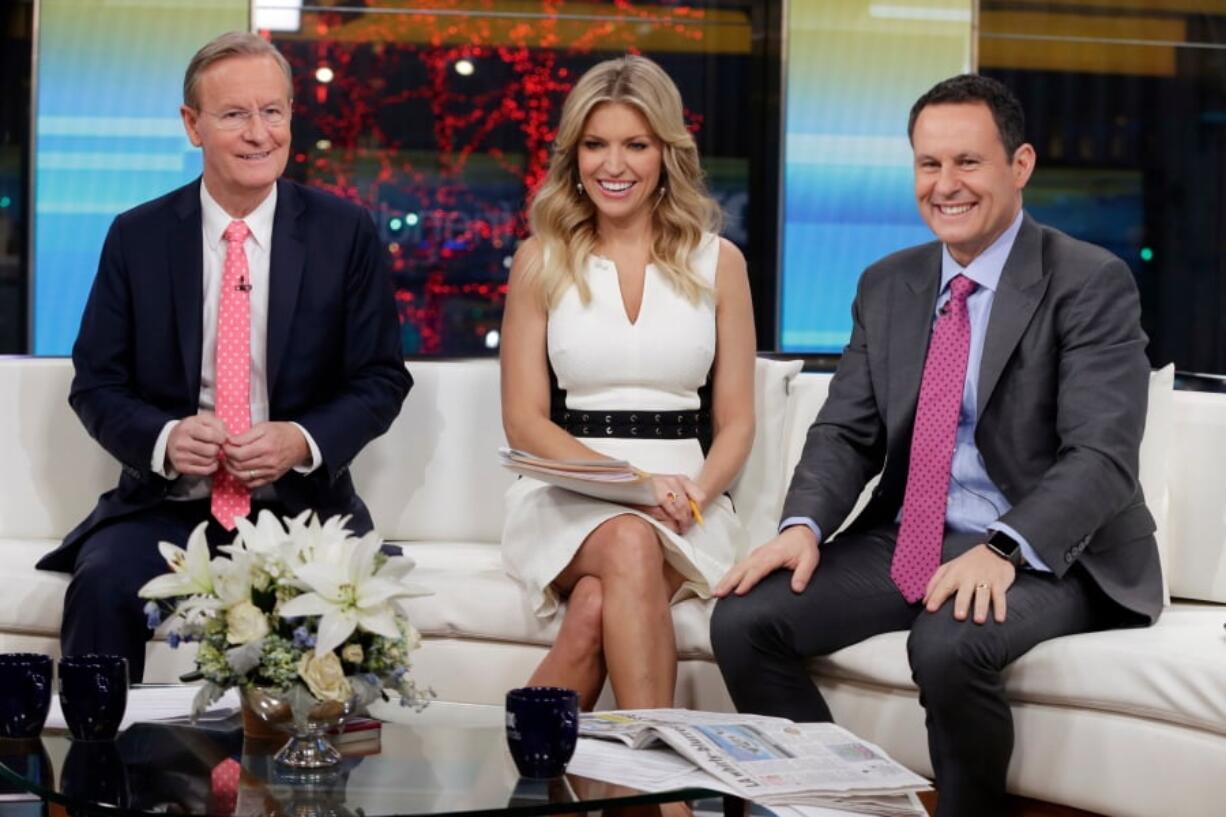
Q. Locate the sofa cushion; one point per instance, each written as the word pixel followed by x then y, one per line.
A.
pixel 1163 672
pixel 33 600
pixel 1155 453
pixel 758 490
pixel 435 474
pixel 57 470
pixel 1197 523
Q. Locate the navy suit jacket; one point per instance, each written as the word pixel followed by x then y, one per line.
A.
pixel 334 362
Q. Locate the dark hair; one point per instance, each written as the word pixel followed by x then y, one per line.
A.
pixel 971 88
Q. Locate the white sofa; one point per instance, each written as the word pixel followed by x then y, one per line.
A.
pixel 1119 723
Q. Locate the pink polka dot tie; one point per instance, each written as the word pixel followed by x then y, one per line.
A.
pixel 917 555
pixel 233 380
pixel 223 786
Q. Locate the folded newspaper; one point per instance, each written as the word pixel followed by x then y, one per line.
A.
pixel 612 480
pixel 772 761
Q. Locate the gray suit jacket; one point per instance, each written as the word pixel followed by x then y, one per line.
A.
pixel 1062 396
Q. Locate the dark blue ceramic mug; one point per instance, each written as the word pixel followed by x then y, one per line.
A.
pixel 25 694
pixel 542 727
pixel 93 694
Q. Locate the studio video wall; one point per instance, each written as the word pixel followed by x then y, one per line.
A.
pixel 107 135
pixel 853 69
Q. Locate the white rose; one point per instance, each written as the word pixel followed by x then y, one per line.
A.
pixel 245 623
pixel 352 653
pixel 324 676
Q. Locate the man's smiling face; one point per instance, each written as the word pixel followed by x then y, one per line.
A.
pixel 968 188
pixel 241 163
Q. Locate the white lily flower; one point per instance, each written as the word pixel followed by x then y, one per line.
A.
pixel 349 594
pixel 310 541
pixel 266 538
pixel 191 572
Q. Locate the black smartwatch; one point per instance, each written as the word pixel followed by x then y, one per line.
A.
pixel 1006 547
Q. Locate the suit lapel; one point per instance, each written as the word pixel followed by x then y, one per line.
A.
pixel 1021 288
pixel 285 274
pixel 910 328
pixel 185 250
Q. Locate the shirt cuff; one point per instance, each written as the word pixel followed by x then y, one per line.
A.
pixel 792 521
pixel 316 458
pixel 158 461
pixel 1028 553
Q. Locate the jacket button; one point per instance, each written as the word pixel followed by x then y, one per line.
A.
pixel 1068 557
pixel 608 430
pixel 634 418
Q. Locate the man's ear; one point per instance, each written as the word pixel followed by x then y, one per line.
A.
pixel 1023 165
pixel 191 118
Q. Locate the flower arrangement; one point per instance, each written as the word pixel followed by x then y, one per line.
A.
pixel 303 608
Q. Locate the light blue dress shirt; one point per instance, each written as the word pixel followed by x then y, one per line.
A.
pixel 975 503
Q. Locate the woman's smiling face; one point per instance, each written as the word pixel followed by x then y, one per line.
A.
pixel 619 161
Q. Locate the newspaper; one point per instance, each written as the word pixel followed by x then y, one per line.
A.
pixel 772 761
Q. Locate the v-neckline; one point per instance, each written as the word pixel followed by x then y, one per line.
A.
pixel 621 295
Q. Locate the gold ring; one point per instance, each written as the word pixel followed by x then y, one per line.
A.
pixel 250 475
pixel 982 585
pixel 670 496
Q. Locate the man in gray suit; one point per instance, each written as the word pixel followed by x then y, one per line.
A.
pixel 996 379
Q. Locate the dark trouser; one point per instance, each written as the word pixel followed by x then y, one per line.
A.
pixel 102 613
pixel 762 640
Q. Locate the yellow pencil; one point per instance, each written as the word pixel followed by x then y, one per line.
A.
pixel 694 509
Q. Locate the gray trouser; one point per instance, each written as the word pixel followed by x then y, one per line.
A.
pixel 762 640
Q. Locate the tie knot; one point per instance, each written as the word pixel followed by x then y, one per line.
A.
pixel 237 232
pixel 961 287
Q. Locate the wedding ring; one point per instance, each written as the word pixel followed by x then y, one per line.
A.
pixel 982 586
pixel 250 475
pixel 670 496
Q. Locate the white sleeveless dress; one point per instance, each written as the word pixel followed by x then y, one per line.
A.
pixel 604 362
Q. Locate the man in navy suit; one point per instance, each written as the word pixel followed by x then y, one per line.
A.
pixel 237 260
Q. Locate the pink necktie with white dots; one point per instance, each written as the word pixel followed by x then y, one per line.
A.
pixel 917 554
pixel 233 378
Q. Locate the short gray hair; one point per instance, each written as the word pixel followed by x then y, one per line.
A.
pixel 224 46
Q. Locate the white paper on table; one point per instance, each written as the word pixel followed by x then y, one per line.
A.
pixel 643 769
pixel 157 703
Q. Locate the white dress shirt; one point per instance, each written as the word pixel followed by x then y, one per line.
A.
pixel 258 247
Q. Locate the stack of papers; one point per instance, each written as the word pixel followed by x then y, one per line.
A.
pixel 158 703
pixel 611 480
pixel 772 761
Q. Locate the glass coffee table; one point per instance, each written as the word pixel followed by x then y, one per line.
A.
pixel 450 759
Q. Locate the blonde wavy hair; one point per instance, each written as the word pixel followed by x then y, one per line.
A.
pixel 564 221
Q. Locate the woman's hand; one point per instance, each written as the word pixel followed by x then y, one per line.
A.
pixel 674 493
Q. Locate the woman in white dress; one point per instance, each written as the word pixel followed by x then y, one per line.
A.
pixel 628 334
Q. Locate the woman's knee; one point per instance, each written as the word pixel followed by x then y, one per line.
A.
pixel 629 547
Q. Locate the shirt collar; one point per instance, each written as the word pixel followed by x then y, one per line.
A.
pixel 259 220
pixel 985 268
